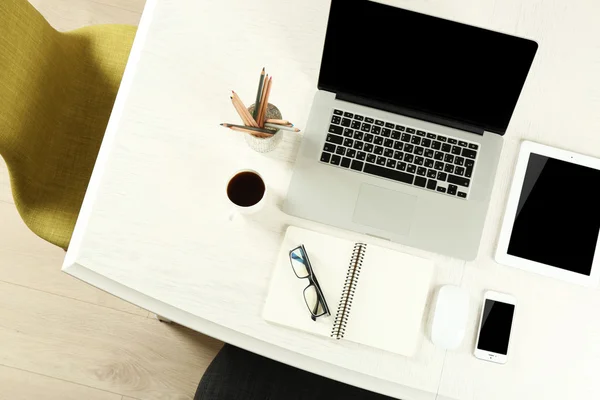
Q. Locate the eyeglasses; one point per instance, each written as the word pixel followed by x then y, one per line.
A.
pixel 313 295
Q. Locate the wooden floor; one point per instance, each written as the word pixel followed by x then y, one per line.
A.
pixel 61 339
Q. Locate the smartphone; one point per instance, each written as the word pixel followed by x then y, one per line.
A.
pixel 495 327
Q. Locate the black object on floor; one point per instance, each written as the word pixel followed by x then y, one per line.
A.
pixel 237 374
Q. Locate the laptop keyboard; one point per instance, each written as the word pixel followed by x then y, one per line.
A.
pixel 401 153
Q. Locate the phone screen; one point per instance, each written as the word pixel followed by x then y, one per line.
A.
pixel 496 325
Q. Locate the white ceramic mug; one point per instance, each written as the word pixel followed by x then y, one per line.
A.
pixel 247 192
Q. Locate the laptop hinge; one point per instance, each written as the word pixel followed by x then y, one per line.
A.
pixel 410 113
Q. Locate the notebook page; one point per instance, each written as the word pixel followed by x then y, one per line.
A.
pixel 329 257
pixel 389 301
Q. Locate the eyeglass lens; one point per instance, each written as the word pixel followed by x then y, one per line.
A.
pixel 299 264
pixel 312 301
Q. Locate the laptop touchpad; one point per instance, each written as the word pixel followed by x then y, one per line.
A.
pixel 384 209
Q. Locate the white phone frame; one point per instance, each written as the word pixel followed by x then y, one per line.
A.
pixel 488 355
pixel 502 256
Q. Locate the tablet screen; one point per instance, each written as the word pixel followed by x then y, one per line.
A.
pixel 558 215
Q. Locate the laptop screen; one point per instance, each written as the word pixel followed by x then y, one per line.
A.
pixel 422 66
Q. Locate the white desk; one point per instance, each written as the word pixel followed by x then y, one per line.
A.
pixel 154 226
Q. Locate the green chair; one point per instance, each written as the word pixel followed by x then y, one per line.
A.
pixel 56 94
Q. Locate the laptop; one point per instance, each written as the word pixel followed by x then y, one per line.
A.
pixel 406 128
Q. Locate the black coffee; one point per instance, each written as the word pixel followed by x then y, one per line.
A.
pixel 246 189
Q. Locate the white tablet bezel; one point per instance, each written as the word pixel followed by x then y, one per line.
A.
pixel 502 256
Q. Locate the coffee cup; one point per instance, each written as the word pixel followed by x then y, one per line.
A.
pixel 246 190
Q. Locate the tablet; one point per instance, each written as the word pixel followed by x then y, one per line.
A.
pixel 552 217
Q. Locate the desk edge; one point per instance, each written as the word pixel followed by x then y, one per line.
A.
pixel 246 342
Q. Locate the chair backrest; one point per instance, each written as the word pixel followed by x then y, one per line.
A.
pixel 56 95
pixel 40 70
pixel 29 50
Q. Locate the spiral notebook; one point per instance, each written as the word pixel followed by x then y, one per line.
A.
pixel 376 296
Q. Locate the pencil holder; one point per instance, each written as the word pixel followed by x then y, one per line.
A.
pixel 264 145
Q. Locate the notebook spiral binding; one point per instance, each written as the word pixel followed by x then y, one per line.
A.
pixel 345 306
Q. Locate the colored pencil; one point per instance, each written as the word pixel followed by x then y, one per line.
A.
pixel 240 112
pixel 245 111
pixel 267 131
pixel 258 107
pixel 250 132
pixel 280 122
pixel 266 101
pixel 259 93
pixel 283 127
pixel 261 115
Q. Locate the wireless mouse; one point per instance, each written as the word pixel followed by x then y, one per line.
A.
pixel 450 318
